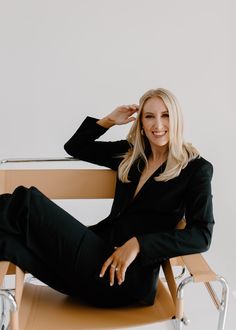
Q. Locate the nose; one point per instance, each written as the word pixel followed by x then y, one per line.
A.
pixel 158 123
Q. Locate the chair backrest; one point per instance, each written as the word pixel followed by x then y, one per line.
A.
pixel 62 183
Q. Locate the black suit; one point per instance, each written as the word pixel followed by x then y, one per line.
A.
pixel 153 214
pixel 43 239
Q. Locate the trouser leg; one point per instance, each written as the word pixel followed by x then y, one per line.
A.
pixel 45 240
pixel 48 235
pixel 27 261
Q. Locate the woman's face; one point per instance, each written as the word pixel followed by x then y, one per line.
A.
pixel 155 122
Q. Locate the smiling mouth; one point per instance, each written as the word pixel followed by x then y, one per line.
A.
pixel 159 134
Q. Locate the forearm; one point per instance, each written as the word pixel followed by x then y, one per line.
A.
pixel 106 122
pixel 157 247
pixel 88 132
pixel 83 145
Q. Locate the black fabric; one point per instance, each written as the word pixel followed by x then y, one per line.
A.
pixel 43 239
pixel 153 214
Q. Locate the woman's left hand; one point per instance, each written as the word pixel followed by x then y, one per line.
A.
pixel 120 260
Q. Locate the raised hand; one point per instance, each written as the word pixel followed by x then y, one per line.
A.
pixel 120 260
pixel 120 116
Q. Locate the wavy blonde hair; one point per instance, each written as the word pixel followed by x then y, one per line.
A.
pixel 180 153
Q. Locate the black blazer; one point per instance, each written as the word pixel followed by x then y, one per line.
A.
pixel 153 214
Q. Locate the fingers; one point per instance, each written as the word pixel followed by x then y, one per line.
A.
pixel 105 266
pixel 118 273
pixel 109 263
pixel 120 260
pixel 131 107
pixel 121 115
pixel 115 271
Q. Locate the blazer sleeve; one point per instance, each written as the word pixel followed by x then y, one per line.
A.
pixel 196 237
pixel 83 145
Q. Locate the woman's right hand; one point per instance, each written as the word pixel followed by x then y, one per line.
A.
pixel 120 116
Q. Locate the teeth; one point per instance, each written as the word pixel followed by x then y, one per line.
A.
pixel 159 133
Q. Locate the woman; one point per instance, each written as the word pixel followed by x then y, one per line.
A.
pixel 161 179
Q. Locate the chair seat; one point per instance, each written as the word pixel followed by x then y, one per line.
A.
pixel 62 313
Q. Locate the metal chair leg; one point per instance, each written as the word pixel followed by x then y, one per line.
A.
pixel 6 295
pixel 177 324
pixel 221 304
pixel 180 318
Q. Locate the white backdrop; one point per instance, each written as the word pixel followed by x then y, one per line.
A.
pixel 61 60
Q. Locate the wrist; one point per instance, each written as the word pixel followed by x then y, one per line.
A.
pixel 106 122
pixel 136 242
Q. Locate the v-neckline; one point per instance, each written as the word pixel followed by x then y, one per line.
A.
pixel 154 173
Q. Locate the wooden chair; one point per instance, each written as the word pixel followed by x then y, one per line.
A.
pixel 38 307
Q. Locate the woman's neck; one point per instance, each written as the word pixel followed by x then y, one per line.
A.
pixel 158 155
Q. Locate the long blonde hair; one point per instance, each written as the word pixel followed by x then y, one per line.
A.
pixel 179 154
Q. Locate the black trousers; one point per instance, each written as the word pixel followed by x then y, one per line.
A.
pixel 44 240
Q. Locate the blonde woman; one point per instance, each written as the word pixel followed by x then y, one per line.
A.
pixel 160 180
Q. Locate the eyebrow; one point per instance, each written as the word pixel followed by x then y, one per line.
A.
pixel 151 113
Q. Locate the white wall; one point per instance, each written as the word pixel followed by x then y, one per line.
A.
pixel 63 59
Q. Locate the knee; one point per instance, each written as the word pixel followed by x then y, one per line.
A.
pixel 22 190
